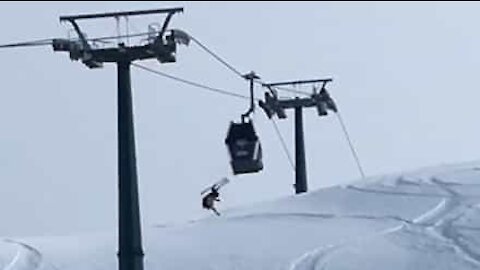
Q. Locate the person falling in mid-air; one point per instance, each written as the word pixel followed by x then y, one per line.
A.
pixel 208 202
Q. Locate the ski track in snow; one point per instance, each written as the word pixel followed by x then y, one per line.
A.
pixel 445 228
pixel 438 222
pixel 26 258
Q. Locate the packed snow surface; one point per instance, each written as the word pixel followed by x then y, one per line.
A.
pixel 429 219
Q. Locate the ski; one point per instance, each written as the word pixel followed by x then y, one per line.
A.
pixel 217 185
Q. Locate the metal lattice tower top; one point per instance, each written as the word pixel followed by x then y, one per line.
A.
pixel 161 47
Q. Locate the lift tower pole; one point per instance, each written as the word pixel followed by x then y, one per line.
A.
pixel 130 251
pixel 300 164
pixel 272 105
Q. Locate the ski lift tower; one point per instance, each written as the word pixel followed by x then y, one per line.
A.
pixel 162 47
pixel 273 105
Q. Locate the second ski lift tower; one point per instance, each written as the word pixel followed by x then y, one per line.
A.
pixel 273 105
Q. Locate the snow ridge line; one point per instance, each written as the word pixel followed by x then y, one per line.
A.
pixel 410 194
pixel 321 216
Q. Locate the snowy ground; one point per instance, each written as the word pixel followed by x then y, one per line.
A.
pixel 429 219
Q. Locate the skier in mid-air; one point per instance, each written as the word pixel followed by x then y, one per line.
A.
pixel 208 202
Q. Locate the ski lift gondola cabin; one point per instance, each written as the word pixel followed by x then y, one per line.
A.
pixel 244 148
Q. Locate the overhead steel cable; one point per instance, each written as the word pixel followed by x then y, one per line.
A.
pixel 40 42
pixel 122 36
pixel 284 145
pixel 352 148
pixel 216 56
pixel 49 41
pixel 195 84
pixel 236 71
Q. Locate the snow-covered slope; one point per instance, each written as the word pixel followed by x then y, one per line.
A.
pixel 419 220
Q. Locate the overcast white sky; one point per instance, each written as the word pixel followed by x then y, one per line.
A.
pixel 405 78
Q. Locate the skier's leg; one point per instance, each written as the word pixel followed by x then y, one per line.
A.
pixel 215 210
